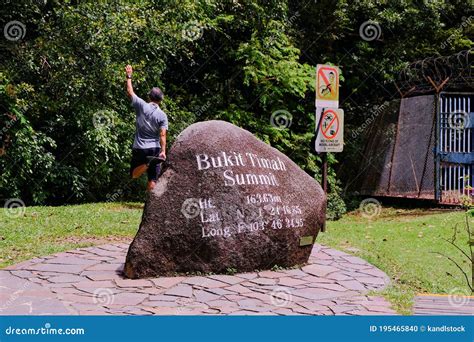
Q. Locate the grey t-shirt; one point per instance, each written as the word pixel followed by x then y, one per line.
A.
pixel 150 120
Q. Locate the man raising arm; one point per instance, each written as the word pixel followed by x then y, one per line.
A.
pixel 149 145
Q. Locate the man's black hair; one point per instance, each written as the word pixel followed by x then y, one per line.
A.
pixel 156 94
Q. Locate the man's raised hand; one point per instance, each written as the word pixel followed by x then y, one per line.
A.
pixel 129 71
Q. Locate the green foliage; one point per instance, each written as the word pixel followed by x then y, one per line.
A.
pixel 239 61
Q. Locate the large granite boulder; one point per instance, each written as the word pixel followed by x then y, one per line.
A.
pixel 226 201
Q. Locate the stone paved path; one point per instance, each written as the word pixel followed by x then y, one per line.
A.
pixel 426 304
pixel 88 281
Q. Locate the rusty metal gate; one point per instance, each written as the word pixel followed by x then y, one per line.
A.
pixel 455 147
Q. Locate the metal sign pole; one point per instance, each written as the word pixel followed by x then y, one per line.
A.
pixel 325 172
pixel 327 97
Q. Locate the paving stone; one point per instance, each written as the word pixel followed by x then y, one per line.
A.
pixel 264 281
pixel 333 287
pixel 72 269
pixel 271 274
pixel 220 291
pixel 160 303
pixel 348 265
pixel 232 280
pixel 338 276
pixel 18 273
pixel 284 311
pixel 161 310
pixel 98 251
pixel 21 265
pixel 221 303
pixel 204 296
pixel 307 311
pixel 151 290
pixel 180 291
pixel 267 298
pixel 322 262
pixel 13 282
pixel 72 260
pixel 211 311
pixel 198 280
pixel 77 298
pixel 288 281
pixel 162 297
pixel 316 294
pixel 313 279
pixel 243 313
pixel 253 304
pixel 128 298
pixel 101 275
pixel 167 282
pixel 248 275
pixel 133 283
pixel 371 280
pixel 355 260
pixel 374 272
pixel 319 270
pixel 295 273
pixel 333 252
pixel 228 310
pixel 313 306
pixel 381 308
pixel 318 288
pixel 352 285
pixel 238 289
pixel 204 282
pixel 95 284
pixel 234 297
pixel 322 256
pixel 338 309
pixel 67 278
pixel 106 267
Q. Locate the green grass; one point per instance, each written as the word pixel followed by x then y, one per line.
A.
pixel 46 230
pixel 399 242
pixel 404 243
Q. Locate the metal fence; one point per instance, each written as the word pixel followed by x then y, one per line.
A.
pixel 422 147
pixel 455 147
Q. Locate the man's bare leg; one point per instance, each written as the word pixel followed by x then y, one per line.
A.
pixel 139 170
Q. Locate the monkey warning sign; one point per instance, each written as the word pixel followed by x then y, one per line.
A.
pixel 329 130
pixel 327 86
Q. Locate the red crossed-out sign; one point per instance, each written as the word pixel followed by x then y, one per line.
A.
pixel 330 124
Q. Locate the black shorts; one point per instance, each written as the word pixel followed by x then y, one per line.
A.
pixel 139 158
